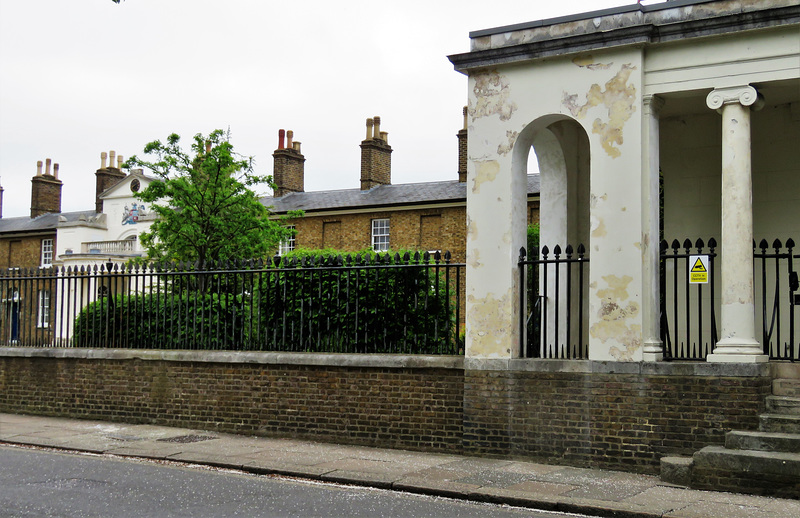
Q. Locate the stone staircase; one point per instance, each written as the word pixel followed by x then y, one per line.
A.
pixel 765 462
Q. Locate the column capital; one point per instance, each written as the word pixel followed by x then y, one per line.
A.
pixel 745 95
pixel 654 102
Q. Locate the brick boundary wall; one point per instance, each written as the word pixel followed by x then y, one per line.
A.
pixel 623 416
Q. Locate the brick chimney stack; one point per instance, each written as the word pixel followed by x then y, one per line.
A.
pixel 462 150
pixel 376 156
pixel 45 190
pixel 288 166
pixel 106 176
pixel 1 202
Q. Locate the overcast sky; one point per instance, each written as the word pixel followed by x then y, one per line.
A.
pixel 84 76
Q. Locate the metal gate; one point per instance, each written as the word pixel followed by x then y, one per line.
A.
pixel 553 322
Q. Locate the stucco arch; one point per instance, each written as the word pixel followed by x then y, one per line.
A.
pixel 561 146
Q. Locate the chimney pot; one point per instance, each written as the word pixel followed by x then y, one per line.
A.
pixel 55 171
pixel 47 167
pixel 296 146
pixel 377 128
pixel 208 146
pixel 119 162
pixel 465 117
pixel 103 156
pixel 38 168
pixel 281 136
pixel 111 158
pixel 289 138
pixel 369 129
pixel 385 136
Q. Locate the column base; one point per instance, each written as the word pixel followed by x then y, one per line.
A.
pixel 653 351
pixel 732 350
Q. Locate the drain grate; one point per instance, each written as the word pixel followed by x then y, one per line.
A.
pixel 183 439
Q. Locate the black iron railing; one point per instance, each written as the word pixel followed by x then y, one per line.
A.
pixel 689 323
pixel 552 323
pixel 411 304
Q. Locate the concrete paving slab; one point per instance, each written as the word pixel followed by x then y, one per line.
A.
pixel 361 466
pixel 494 478
pixel 541 488
pixel 300 459
pixel 439 474
pixel 274 467
pixel 475 464
pixel 530 468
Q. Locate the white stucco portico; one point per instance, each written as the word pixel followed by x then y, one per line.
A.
pixel 592 95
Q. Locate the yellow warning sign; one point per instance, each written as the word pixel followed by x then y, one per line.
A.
pixel 698 274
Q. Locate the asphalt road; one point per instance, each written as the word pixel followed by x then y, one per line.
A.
pixel 37 483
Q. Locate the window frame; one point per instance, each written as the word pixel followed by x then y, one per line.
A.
pixel 43 309
pixel 46 255
pixel 381 230
pixel 287 245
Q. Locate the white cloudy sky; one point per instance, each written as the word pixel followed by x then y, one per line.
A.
pixel 84 76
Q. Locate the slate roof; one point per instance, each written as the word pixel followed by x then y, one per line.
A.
pixel 378 197
pixel 41 223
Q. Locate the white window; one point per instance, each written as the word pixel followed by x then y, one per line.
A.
pixel 43 319
pixel 380 234
pixel 47 252
pixel 287 245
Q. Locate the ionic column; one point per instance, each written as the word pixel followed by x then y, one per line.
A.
pixel 737 316
pixel 651 323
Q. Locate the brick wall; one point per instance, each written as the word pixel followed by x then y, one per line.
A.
pixel 23 252
pixel 609 420
pixel 402 408
pixel 626 420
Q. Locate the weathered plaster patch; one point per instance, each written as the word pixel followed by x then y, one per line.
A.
pixel 505 148
pixel 598 227
pixel 615 318
pixel 474 258
pixel 588 62
pixel 491 97
pixel 619 99
pixel 485 171
pixel 472 228
pixel 489 324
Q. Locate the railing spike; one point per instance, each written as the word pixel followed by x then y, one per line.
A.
pixel 675 245
pixel 790 243
pixel 581 249
pixel 762 244
pixel 447 256
pixel 545 251
pixel 699 244
pixel 777 244
pixel 712 243
pixel 569 251
pixel 557 251
pixel 687 244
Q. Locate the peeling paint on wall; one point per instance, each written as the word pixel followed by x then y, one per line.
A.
pixel 505 148
pixel 488 324
pixel 619 98
pixel 616 318
pixel 485 171
pixel 588 62
pixel 491 97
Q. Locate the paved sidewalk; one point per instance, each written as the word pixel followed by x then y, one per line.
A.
pixel 526 484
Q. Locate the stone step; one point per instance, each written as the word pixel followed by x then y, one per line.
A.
pixel 781 423
pixel 677 470
pixel 786 387
pixel 783 405
pixel 750 462
pixel 785 370
pixel 762 441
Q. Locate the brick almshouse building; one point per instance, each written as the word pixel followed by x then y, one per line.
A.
pixel 426 216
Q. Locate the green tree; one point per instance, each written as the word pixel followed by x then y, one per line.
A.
pixel 206 208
